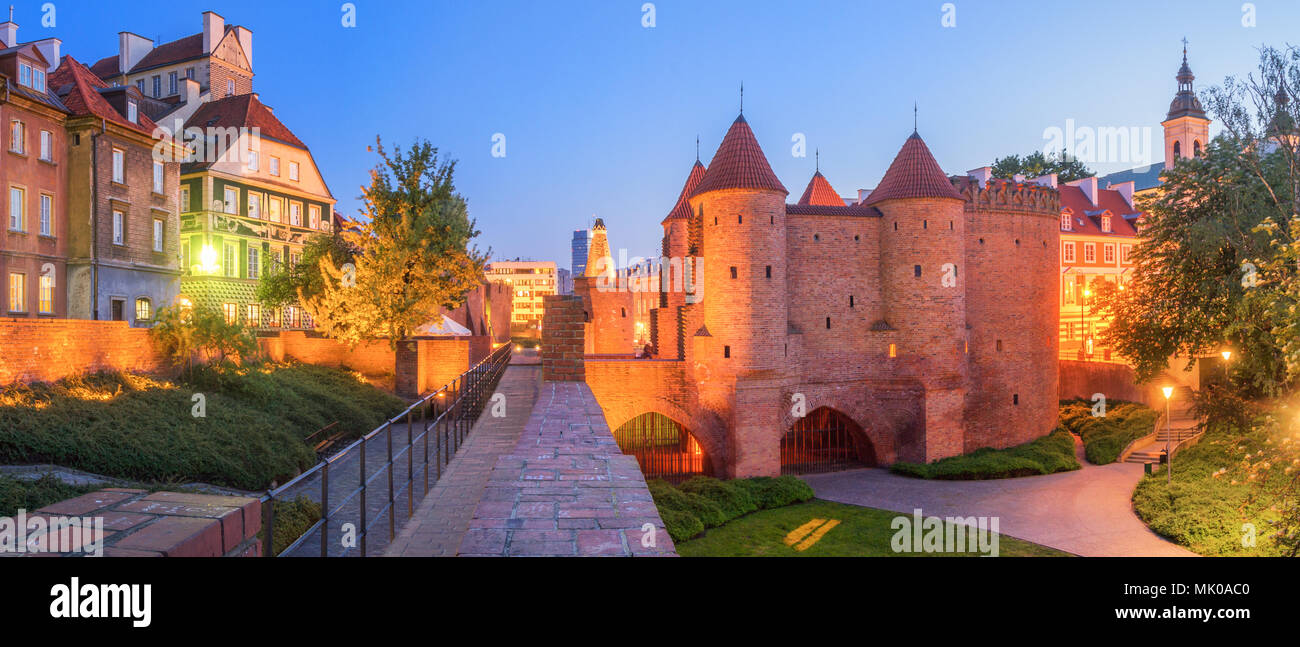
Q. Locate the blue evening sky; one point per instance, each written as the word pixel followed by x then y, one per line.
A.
pixel 600 114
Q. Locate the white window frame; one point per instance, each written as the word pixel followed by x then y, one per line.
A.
pixel 17 208
pixel 313 216
pixel 255 205
pixel 1068 251
pixel 1108 253
pixel 46 226
pixel 17 292
pixel 159 182
pixel 159 233
pixel 230 259
pixel 119 166
pixel 184 199
pixel 273 167
pixel 45 295
pixel 230 200
pixel 295 213
pixel 119 227
pixel 1090 252
pixel 293 171
pixel 1125 254
pixel 254 263
pixel 252 160
pixel 17 137
pixel 133 112
pixel 47 146
pixel 1067 222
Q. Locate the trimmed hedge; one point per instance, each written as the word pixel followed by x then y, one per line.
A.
pixel 705 502
pixel 1049 454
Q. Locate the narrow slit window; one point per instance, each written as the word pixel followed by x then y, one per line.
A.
pixel 768 269
pixel 828 323
pixel 917 271
pixel 726 351
pixel 733 271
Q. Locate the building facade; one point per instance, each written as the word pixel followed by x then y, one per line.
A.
pixel 247 209
pixel 33 176
pixel 914 324
pixel 580 247
pixel 530 282
pixel 123 250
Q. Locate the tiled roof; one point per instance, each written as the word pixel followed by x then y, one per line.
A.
pixel 173 52
pixel 105 67
pixel 913 174
pixel 682 209
pixel 1144 177
pixel 246 111
pixel 1086 216
pixel 79 89
pixel 820 192
pixel 739 164
pixel 832 210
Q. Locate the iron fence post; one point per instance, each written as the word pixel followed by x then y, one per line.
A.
pixel 392 513
pixel 325 510
pixel 410 469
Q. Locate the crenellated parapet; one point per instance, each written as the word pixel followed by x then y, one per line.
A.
pixel 1008 195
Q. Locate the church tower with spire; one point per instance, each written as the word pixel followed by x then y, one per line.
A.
pixel 1187 129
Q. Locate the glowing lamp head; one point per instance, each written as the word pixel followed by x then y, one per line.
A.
pixel 1169 392
pixel 1227 355
pixel 208 259
pixel 1087 293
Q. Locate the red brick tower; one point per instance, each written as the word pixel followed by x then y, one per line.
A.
pixel 665 335
pixel 740 349
pixel 922 269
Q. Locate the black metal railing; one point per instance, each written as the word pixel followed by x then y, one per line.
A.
pixel 343 485
pixel 823 441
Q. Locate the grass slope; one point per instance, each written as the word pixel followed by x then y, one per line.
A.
pixel 1051 453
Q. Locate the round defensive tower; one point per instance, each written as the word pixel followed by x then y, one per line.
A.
pixel 741 205
pixel 922 262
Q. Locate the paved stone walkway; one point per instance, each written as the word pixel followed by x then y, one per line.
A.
pixel 566 489
pixel 444 515
pixel 1086 512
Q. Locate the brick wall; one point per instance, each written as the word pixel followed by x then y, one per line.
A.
pixel 45 350
pixel 1115 381
pixel 562 338
pixel 368 358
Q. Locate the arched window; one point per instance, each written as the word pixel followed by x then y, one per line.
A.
pixel 1196 148
pixel 1178 148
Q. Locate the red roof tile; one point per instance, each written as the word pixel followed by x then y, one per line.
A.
pixel 1086 216
pixel 739 164
pixel 105 67
pixel 243 110
pixel 79 91
pixel 820 193
pixel 173 52
pixel 682 210
pixel 913 174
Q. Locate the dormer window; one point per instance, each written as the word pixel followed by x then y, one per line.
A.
pixel 1065 222
pixel 38 79
pixel 25 74
pixel 132 112
pixel 1105 224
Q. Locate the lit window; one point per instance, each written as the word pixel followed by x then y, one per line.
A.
pixel 231 311
pixel 275 206
pixel 119 166
pixel 45 294
pixel 893 350
pixel 1124 252
pixel 47 215
pixel 231 254
pixel 157 235
pixel 17 205
pixel 17 292
pixel 254 316
pixel 119 228
pixel 1105 223
pixel 158 177
pixel 143 309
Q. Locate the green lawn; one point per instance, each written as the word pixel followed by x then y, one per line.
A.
pixel 862 532
pixel 1049 454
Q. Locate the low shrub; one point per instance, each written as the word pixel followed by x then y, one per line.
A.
pixel 775 492
pixel 292 519
pixel 681 525
pixel 732 500
pixel 667 496
pixel 1104 437
pixel 1049 454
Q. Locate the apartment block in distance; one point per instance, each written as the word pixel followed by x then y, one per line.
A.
pixel 530 281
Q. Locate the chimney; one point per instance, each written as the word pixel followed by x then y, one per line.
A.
pixel 1125 189
pixel 9 30
pixel 1089 187
pixel 130 49
pixel 982 175
pixel 214 27
pixel 246 41
pixel 863 194
pixel 49 48
pixel 1048 180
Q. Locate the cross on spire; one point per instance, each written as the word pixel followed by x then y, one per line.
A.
pixel 1184 49
pixel 914 117
pixel 817 152
pixel 697 148
pixel 742 97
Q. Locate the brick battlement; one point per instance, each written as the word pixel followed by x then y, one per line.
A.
pixel 1006 195
pixel 562 338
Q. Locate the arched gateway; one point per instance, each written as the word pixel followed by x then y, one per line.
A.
pixel 663 448
pixel 825 440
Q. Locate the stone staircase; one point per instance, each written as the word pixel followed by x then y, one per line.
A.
pixel 1182 426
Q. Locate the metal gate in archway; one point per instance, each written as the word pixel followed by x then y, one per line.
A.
pixel 825 440
pixel 663 448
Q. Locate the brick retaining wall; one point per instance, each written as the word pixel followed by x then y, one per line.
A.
pixel 45 350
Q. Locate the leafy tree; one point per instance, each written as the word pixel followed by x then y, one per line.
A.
pixel 412 252
pixel 1217 261
pixel 201 333
pixel 284 285
pixel 1067 168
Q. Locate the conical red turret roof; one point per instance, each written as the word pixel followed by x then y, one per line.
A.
pixel 682 210
pixel 913 174
pixel 739 164
pixel 820 193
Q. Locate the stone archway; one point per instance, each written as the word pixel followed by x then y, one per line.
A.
pixel 825 440
pixel 664 448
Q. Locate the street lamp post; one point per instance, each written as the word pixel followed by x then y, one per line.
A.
pixel 1169 456
pixel 1083 327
